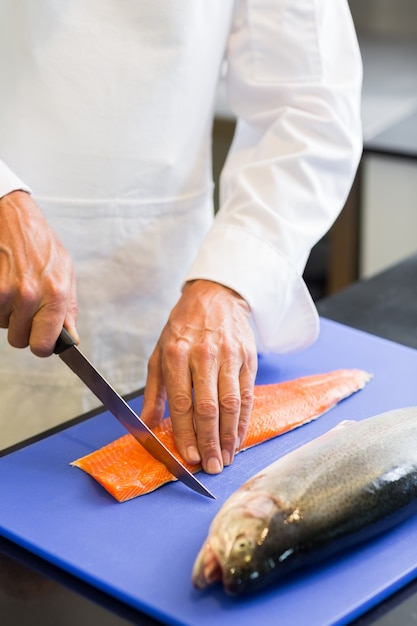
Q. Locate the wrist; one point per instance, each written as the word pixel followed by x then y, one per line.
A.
pixel 15 194
pixel 202 285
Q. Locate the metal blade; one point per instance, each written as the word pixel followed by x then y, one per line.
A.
pixel 114 403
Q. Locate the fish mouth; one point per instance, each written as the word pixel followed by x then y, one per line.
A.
pixel 207 569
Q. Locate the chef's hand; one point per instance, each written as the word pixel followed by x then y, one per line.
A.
pixel 37 283
pixel 204 364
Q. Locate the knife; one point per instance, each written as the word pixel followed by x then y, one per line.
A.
pixel 67 350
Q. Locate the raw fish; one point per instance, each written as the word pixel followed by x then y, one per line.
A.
pixel 344 487
pixel 126 470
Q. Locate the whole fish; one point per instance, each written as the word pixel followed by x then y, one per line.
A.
pixel 346 486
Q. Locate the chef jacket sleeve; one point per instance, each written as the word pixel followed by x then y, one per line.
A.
pixel 294 78
pixel 9 181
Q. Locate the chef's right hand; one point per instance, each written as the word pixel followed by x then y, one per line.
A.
pixel 37 280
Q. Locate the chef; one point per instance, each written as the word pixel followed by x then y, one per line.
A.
pixel 106 200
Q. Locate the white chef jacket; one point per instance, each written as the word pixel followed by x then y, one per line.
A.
pixel 106 110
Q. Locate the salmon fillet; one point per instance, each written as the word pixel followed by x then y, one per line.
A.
pixel 126 470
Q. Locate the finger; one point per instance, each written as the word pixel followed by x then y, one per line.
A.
pixel 178 383
pixel 46 327
pixel 154 397
pixel 72 312
pixel 206 409
pixel 47 323
pixel 5 307
pixel 229 411
pixel 247 384
pixel 4 321
pixel 49 319
pixel 20 319
pixel 19 328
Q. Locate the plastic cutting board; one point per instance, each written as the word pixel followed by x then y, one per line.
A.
pixel 142 551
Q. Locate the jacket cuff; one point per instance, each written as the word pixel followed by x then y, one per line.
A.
pixel 10 182
pixel 284 316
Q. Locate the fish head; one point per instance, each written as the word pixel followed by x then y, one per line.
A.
pixel 230 553
pixel 242 565
pixel 263 552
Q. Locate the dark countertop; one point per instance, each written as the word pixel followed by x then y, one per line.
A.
pixel 34 591
pixel 385 305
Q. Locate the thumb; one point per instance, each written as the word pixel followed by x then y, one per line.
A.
pixel 72 311
pixel 154 399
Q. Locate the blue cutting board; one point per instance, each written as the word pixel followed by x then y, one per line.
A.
pixel 142 551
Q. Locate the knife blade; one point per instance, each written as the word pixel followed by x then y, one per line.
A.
pixel 73 357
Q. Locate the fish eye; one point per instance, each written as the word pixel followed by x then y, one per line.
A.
pixel 242 544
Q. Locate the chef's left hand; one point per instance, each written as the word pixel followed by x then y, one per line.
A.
pixel 204 364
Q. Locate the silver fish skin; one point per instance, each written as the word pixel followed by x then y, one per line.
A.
pixel 355 481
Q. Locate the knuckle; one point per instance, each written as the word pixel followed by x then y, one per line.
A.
pixel 231 352
pixel 4 302
pixel 244 421
pixel 4 288
pixel 242 431
pixel 205 351
pixel 30 294
pixel 208 445
pixel 246 398
pixel 175 351
pixel 230 403
pixel 181 403
pixel 18 342
pixel 56 290
pixel 41 349
pixel 27 295
pixel 207 409
pixel 228 440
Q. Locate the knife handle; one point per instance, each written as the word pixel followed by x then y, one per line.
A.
pixel 64 341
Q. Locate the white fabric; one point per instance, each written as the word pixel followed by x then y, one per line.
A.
pixel 105 114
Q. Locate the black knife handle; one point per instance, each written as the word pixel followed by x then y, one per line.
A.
pixel 64 341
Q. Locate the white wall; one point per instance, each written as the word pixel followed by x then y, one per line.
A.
pixel 387 31
pixel 389 212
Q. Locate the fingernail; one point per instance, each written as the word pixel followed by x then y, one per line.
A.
pixel 227 457
pixel 193 455
pixel 213 466
pixel 74 334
